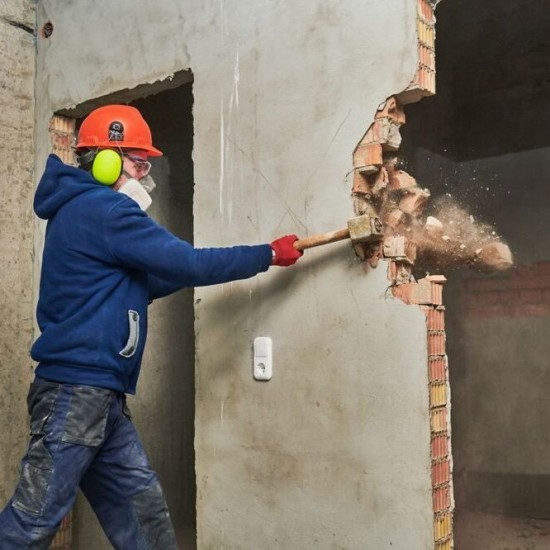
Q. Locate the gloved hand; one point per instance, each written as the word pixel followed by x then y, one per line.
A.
pixel 284 253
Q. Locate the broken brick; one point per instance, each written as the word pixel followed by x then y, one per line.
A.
pixel 398 247
pixel 414 201
pixel 399 273
pixel 367 158
pixel 360 184
pixel 391 109
pixel 399 179
pixel 394 218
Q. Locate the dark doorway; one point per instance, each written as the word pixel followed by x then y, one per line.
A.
pixel 164 406
pixel 167 421
pixel 483 142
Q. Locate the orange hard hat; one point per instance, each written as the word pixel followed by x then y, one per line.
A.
pixel 116 126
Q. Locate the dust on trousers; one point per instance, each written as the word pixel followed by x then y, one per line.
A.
pixel 83 437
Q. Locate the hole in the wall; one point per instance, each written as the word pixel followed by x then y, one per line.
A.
pixel 47 30
pixel 481 141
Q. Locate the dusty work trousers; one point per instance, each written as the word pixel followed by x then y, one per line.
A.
pixel 83 436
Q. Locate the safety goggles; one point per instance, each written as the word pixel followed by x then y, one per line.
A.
pixel 143 166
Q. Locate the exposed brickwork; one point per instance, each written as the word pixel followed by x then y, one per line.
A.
pixel 428 294
pixel 63 538
pixel 423 83
pixel 62 134
pixel 522 292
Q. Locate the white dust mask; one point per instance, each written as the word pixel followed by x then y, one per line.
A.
pixel 136 191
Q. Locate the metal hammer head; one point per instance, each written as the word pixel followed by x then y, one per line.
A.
pixel 365 228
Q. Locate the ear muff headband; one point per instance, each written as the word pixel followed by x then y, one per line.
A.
pixel 107 166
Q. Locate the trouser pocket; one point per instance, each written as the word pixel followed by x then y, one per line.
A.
pixel 87 416
pixel 36 470
pixel 68 424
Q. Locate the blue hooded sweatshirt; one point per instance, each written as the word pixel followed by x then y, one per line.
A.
pixel 104 260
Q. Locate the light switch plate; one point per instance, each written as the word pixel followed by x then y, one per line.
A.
pixel 263 358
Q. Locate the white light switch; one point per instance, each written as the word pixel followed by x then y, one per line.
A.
pixel 263 358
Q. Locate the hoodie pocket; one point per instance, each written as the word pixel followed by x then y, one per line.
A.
pixel 133 334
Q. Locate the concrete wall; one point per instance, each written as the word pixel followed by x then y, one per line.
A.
pixel 17 58
pixel 333 452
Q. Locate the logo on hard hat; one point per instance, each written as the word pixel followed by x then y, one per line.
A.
pixel 116 131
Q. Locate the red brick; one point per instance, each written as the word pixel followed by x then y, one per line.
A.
pixel 441 472
pixel 391 109
pixel 530 296
pixel 368 156
pixel 435 318
pixel 399 273
pixel 436 343
pixel 394 218
pixel 441 498
pixel 437 369
pixel 400 248
pixel 543 268
pixel 360 184
pixel 375 133
pixel 440 446
pixel 414 201
pixel 399 179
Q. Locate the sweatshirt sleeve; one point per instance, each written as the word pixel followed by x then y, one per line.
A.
pixel 136 241
pixel 159 288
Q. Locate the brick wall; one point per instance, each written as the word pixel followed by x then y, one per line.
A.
pixel 62 138
pixel 428 294
pixel 522 292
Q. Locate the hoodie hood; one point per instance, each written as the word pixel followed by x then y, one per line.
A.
pixel 59 184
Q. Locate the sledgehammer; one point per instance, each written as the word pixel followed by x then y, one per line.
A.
pixel 360 229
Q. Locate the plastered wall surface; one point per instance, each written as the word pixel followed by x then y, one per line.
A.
pixel 334 451
pixel 16 169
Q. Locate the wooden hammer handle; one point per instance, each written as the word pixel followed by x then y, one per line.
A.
pixel 321 238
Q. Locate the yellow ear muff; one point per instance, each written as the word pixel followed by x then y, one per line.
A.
pixel 107 166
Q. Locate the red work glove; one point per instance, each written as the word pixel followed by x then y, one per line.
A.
pixel 284 253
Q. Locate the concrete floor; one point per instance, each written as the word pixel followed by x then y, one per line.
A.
pixel 478 531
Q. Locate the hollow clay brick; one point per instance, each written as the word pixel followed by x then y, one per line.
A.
pixel 437 369
pixel 438 420
pixel 391 109
pixel 443 526
pixel 360 184
pixel 399 179
pixel 400 248
pixel 436 343
pixel 441 472
pixel 440 446
pixel 423 292
pixel 441 498
pixel 414 201
pixel 394 218
pixel 368 157
pixel 435 318
pixel 438 395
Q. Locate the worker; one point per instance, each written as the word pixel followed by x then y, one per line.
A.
pixel 104 261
